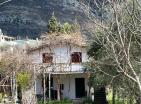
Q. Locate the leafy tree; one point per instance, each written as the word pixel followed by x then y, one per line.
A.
pixel 53 25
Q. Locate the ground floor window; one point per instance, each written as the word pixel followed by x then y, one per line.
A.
pixel 61 86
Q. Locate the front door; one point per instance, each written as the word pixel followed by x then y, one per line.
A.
pixel 79 87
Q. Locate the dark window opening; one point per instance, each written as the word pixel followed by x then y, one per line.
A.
pixel 61 86
pixel 47 57
pixel 76 57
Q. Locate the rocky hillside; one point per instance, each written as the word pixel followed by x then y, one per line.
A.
pixel 29 17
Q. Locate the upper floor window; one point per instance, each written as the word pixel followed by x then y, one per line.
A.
pixel 76 57
pixel 47 57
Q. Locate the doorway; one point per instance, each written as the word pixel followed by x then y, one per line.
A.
pixel 79 87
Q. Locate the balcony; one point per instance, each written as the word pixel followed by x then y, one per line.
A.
pixel 59 68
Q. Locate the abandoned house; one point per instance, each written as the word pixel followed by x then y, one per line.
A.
pixel 58 64
pixel 57 61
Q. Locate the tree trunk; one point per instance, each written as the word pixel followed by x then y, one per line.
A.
pixel 139 99
pixel 58 94
pixel 113 96
pixel 139 85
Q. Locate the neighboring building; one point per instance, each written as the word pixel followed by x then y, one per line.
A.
pixel 5 42
pixel 4 38
pixel 58 63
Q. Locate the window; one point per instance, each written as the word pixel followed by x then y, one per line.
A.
pixel 47 57
pixel 76 57
pixel 61 86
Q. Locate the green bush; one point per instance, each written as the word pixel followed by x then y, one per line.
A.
pixel 87 100
pixel 117 102
pixel 1 96
pixel 23 79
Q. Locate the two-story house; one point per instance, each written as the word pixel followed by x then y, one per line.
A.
pixel 58 64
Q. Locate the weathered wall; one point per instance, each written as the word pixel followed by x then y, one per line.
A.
pixel 69 84
pixel 61 55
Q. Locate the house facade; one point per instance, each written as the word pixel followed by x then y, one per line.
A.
pixel 59 70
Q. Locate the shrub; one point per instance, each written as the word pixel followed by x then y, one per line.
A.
pixel 23 79
pixel 1 96
pixel 87 100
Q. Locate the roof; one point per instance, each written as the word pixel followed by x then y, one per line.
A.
pixel 6 37
pixel 58 38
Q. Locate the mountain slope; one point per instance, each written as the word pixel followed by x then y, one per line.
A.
pixel 29 17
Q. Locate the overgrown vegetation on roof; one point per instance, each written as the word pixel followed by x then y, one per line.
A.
pixel 62 33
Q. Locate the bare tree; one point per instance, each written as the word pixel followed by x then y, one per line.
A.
pixel 118 42
pixel 14 65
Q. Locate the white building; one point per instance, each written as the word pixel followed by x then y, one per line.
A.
pixel 4 38
pixel 4 41
pixel 61 58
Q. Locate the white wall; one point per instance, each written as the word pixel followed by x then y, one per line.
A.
pixel 38 86
pixel 69 85
pixel 62 54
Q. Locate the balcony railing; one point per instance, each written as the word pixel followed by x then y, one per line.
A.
pixel 58 67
